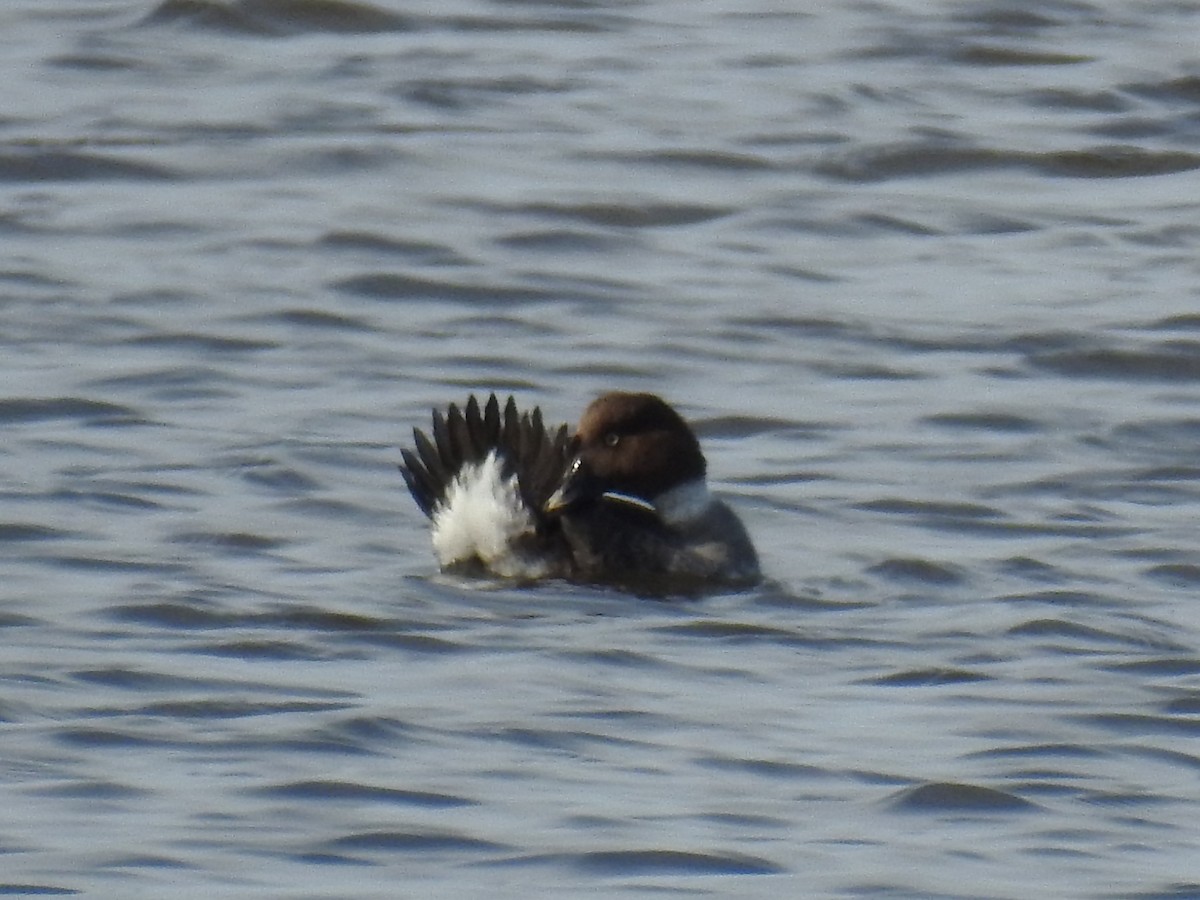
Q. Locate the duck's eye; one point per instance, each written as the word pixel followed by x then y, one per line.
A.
pixel 612 439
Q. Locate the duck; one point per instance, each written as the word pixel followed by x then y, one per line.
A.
pixel 622 500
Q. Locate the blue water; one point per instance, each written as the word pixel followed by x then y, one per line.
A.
pixel 924 278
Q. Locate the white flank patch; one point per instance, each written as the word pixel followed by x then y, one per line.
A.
pixel 483 517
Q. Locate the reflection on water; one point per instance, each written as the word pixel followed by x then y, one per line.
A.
pixel 923 279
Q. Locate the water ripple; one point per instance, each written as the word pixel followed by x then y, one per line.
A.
pixel 949 797
pixel 333 791
pixel 51 164
pixel 278 16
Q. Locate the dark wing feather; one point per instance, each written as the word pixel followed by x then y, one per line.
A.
pixel 430 457
pixel 473 422
pixel 445 445
pixel 491 420
pixel 510 435
pixel 546 466
pixel 460 439
pixel 541 459
pixel 424 473
pixel 420 483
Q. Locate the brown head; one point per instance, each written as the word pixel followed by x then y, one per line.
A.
pixel 630 444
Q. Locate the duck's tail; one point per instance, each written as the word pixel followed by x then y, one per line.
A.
pixel 520 442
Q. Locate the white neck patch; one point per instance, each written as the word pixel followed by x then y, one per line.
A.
pixel 683 503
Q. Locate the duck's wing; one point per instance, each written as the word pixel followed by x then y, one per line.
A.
pixel 520 441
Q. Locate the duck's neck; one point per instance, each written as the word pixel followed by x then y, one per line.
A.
pixel 684 502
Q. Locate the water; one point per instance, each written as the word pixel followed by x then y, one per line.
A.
pixel 924 275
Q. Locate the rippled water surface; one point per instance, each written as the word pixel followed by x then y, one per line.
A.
pixel 923 275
